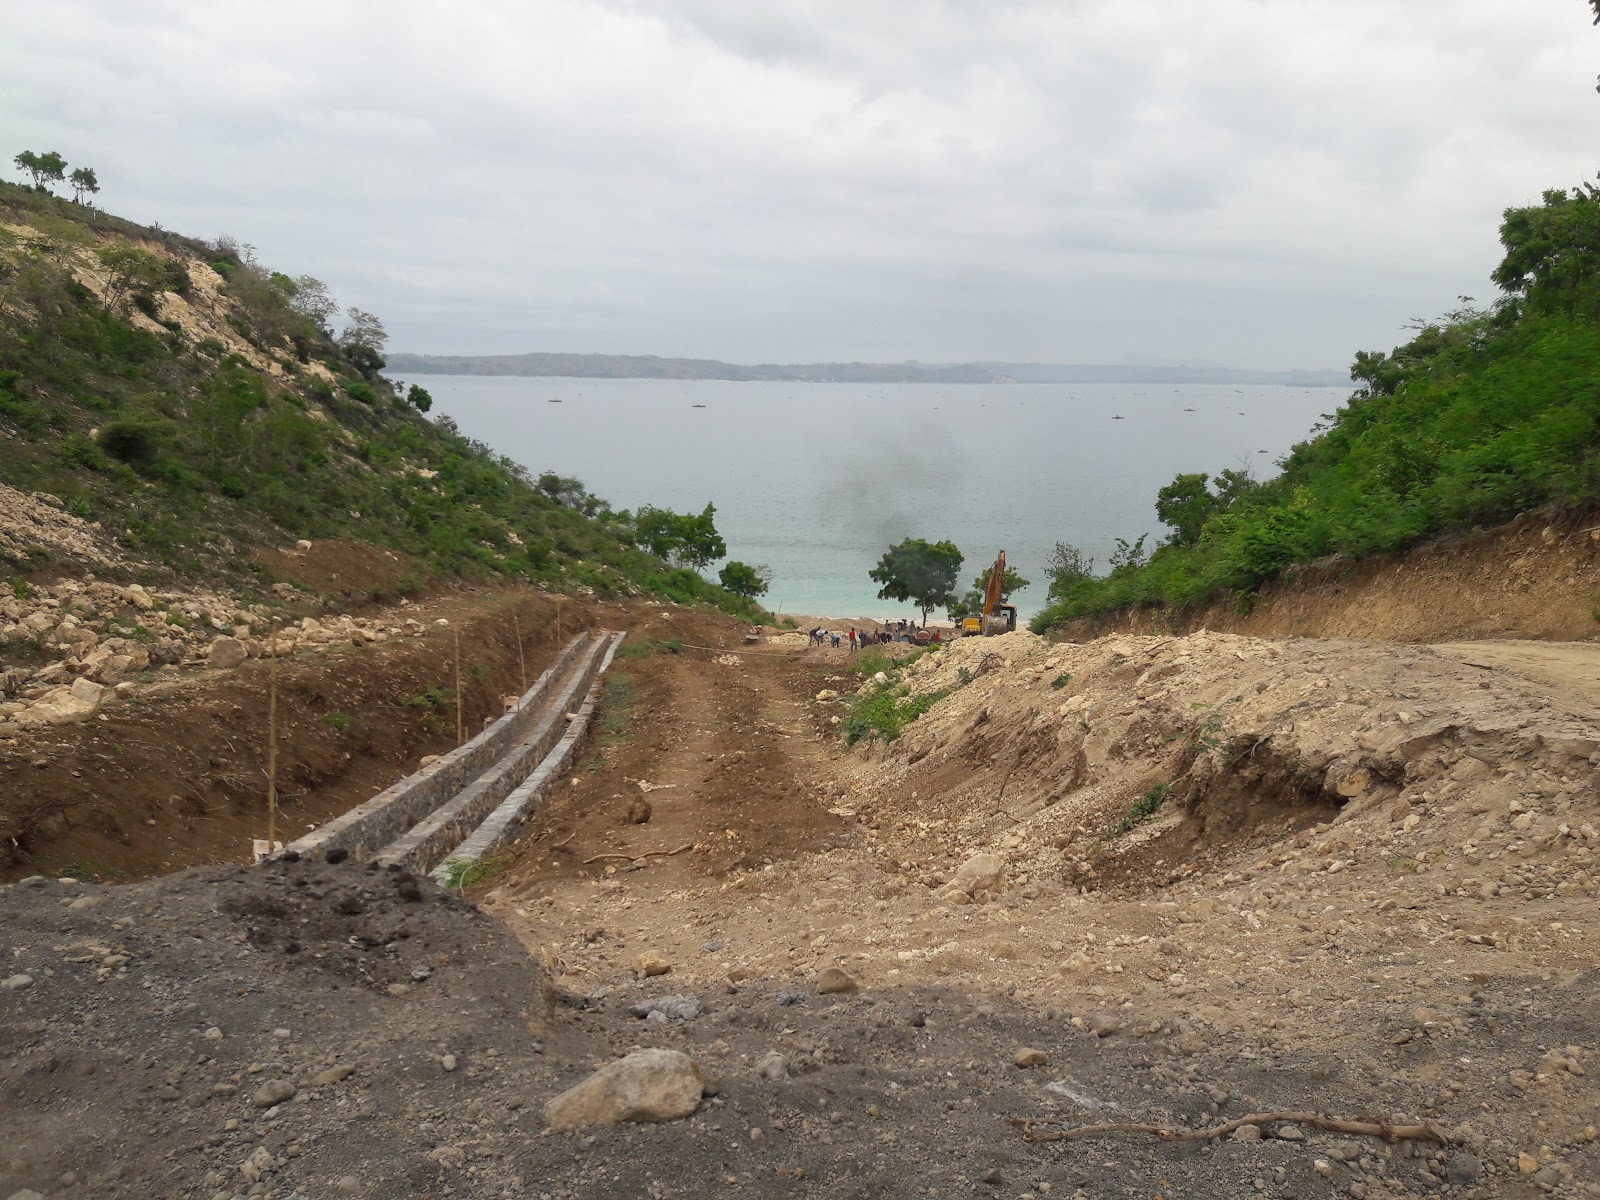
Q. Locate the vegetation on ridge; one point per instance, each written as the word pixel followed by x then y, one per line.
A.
pixel 1485 413
pixel 199 406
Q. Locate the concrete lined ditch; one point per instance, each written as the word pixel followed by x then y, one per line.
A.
pixel 465 803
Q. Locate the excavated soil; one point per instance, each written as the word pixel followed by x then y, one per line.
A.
pixel 175 776
pixel 1196 878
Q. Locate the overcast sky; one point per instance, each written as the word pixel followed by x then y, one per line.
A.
pixel 1259 183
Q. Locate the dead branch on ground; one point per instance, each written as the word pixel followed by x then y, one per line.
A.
pixel 641 857
pixel 1426 1131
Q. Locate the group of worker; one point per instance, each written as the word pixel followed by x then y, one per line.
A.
pixel 858 639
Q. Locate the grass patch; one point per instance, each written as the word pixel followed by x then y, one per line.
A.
pixel 1060 681
pixel 337 721
pixel 884 715
pixel 646 647
pixel 1142 809
pixel 464 873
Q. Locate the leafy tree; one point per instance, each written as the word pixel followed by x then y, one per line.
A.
pixel 363 329
pixel 564 490
pixel 1128 556
pixel 1067 566
pixel 972 603
pixel 310 297
pixel 84 183
pixel 419 398
pixel 922 572
pixel 45 168
pixel 702 544
pixel 1186 504
pixel 130 271
pixel 742 579
pixel 683 539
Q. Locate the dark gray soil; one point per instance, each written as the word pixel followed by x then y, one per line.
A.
pixel 135 1061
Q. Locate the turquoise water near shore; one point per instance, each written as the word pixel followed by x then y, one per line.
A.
pixel 816 480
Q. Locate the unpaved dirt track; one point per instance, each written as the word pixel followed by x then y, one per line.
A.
pixel 1368 892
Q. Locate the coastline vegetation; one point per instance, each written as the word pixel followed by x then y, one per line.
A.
pixel 1487 412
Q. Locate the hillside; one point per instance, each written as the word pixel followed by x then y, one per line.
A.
pixel 1486 413
pixel 196 407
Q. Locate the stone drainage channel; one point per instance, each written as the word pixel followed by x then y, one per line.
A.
pixel 462 805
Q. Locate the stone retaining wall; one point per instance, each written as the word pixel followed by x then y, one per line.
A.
pixel 503 823
pixel 374 824
pixel 425 844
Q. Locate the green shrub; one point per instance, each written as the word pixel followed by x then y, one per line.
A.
pixel 358 389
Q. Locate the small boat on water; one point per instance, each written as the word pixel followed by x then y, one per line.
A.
pixel 553 400
pixel 697 406
pixel 1119 417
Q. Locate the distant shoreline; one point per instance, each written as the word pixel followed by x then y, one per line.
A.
pixel 632 366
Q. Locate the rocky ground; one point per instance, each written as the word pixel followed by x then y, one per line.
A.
pixel 1179 881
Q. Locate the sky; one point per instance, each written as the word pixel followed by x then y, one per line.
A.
pixel 1253 183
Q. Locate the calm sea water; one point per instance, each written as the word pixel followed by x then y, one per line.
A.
pixel 816 480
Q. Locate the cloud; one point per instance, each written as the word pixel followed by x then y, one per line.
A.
pixel 1267 182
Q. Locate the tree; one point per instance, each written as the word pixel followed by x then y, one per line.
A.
pixel 1186 504
pixel 922 572
pixel 563 489
pixel 45 168
pixel 419 398
pixel 1067 567
pixel 1128 556
pixel 363 340
pixel 972 603
pixel 742 579
pixel 84 182
pixel 131 271
pixel 683 539
pixel 310 297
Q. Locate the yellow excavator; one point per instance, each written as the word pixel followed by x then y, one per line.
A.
pixel 995 617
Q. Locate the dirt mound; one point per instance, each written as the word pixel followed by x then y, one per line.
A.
pixel 288 1020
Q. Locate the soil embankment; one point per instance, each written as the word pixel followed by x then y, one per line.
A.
pixel 1177 880
pixel 1537 577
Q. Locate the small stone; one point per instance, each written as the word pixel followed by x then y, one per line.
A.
pixel 639 812
pixel 1247 1133
pixel 275 1092
pixel 348 1186
pixel 213 1034
pixel 399 989
pixel 835 981
pixel 772 1066
pixel 1463 1169
pixel 651 964
pixel 335 1074
pixel 1527 1163
pixel 675 1008
pixel 1031 1058
pixel 447 1062
pixel 993 1177
pixel 83 902
pixel 16 983
pixel 25 1194
pixel 1291 1133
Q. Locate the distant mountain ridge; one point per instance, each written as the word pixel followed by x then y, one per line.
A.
pixel 650 366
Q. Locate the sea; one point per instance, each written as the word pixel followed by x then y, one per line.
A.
pixel 817 480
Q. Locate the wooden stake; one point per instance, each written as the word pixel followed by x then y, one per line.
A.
pixel 457 633
pixel 558 622
pixel 522 662
pixel 272 738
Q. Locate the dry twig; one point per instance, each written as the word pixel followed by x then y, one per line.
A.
pixel 641 857
pixel 1426 1131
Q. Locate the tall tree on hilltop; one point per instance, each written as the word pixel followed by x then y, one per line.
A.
pixel 45 168
pixel 84 183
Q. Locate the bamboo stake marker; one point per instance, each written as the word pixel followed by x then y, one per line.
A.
pixel 272 738
pixel 522 662
pixel 457 634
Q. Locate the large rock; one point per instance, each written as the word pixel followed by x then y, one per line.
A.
pixel 87 691
pixel 56 707
pixel 980 873
pixel 226 653
pixel 648 1085
pixel 139 598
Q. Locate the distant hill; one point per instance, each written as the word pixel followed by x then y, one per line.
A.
pixel 650 366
